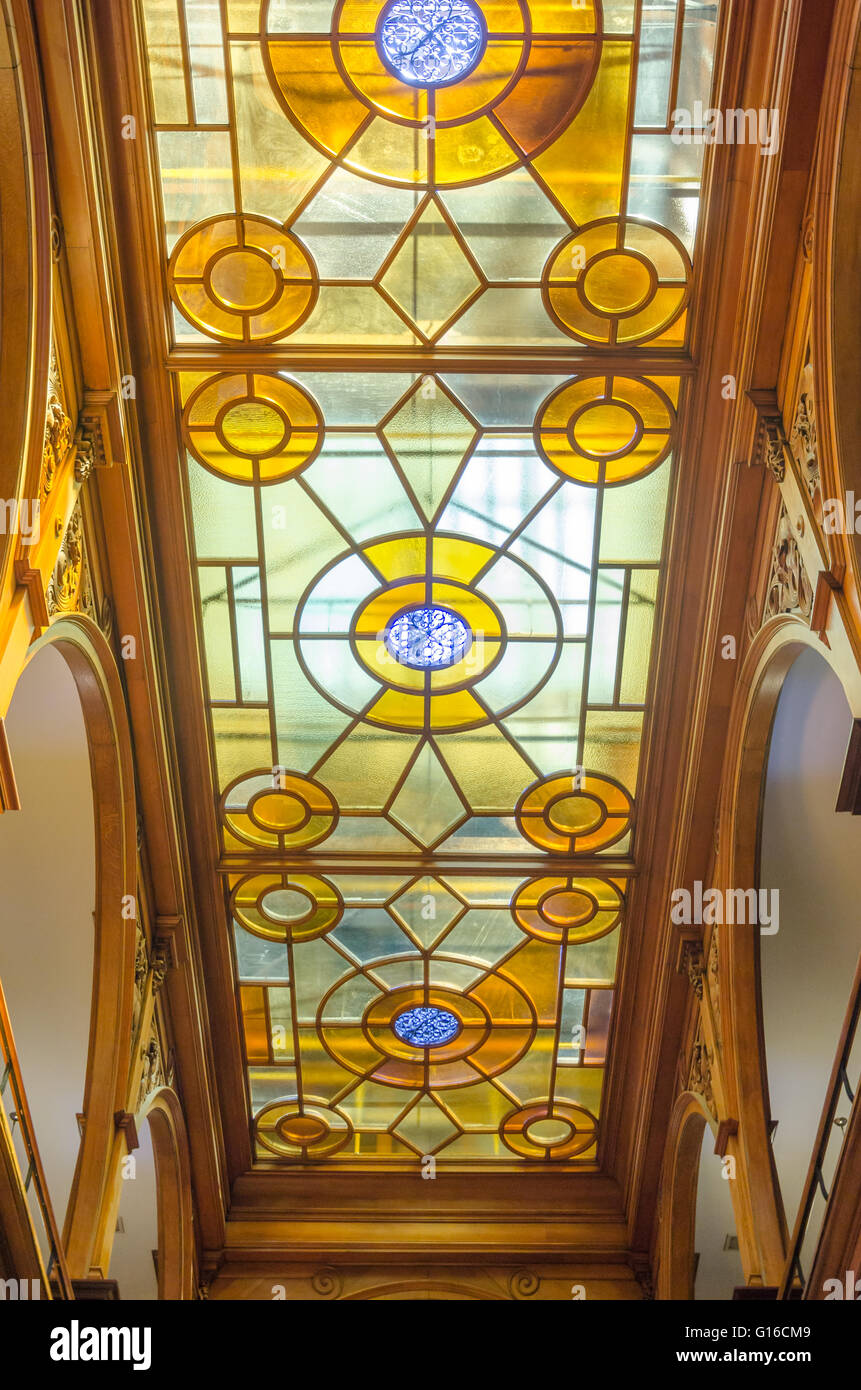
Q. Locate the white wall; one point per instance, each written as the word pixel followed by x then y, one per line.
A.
pixel 47 897
pixel 719 1271
pixel 131 1258
pixel 813 856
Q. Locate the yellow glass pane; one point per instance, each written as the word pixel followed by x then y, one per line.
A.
pixel 492 75
pixel 472 151
pixel 535 968
pixel 503 16
pixel 581 1086
pixel 167 61
pixel 399 558
pixel 399 708
pixel 454 709
pixel 584 167
pixel 455 559
pixel 562 17
pixel 372 79
pixel 255 1024
pixel 316 92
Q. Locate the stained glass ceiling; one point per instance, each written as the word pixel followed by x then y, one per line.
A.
pixel 426 581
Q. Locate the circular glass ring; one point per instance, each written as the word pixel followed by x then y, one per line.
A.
pixel 427 637
pixel 431 43
pixel 426 1026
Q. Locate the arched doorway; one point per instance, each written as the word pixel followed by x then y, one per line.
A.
pixel 809 855
pixel 68 860
pixel 135 1251
pixel 717 1262
pixel 48 868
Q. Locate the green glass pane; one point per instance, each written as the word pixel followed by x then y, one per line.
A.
pixel 196 175
pixel 257 959
pixel 638 636
pixel 215 608
pixel 594 961
pixel 247 605
pixel 634 517
pixel 609 606
pixel 511 226
pixel 354 478
pixel 225 525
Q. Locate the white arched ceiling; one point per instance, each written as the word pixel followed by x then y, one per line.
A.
pixel 811 855
pixel 136 1237
pixel 47 872
pixel 719 1270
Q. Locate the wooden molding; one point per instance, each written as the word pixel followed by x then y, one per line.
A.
pixel 849 795
pixel 31 580
pixel 826 585
pixel 100 428
pixel 168 941
pixel 126 1122
pixel 726 1130
pixel 9 798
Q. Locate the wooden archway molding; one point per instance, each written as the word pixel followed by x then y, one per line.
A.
pixel 678 1210
pixel 176 1264
pixel 91 663
pixel 25 241
pixel 760 1218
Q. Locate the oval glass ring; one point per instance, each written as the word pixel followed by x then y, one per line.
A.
pixel 431 43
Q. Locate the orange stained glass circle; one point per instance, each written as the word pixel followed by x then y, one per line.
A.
pixel 286 907
pixel 556 1131
pixel 284 810
pixel 242 279
pixel 534 75
pixel 481 617
pixel 564 815
pixel 605 429
pixel 619 281
pixel 252 426
pixel 312 1130
pixel 442 571
pixel 566 911
pixel 486 1044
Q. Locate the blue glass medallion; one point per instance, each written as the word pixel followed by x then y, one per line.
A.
pixel 428 637
pixel 430 43
pixel 426 1026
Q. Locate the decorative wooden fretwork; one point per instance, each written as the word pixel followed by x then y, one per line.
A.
pixel 58 429
pixel 802 437
pixel 789 589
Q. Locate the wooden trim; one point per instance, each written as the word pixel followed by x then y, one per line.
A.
pixel 678 1206
pixel 176 1251
pixel 31 580
pixel 9 797
pixel 725 1131
pixel 99 689
pixel 849 795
